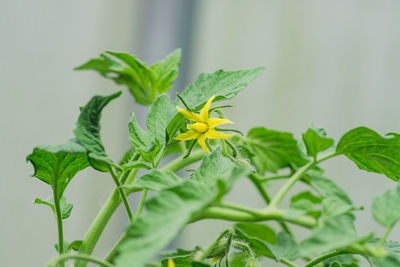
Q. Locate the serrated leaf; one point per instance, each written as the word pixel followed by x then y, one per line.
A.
pixel 65 207
pixel 221 84
pixel 156 180
pixel 372 152
pixel 57 165
pixel 142 81
pixel 272 150
pixel 337 232
pixel 328 188
pixel 315 141
pixel 385 207
pixel 87 131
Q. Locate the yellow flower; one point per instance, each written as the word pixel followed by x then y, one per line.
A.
pixel 203 126
pixel 171 263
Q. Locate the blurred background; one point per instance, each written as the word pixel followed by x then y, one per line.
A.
pixel 331 63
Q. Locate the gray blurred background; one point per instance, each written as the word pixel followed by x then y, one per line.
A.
pixel 331 63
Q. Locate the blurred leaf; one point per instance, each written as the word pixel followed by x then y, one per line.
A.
pixel 391 260
pixel 156 180
pixel 271 150
pixel 337 232
pixel 142 81
pixel 65 207
pixel 385 207
pixel 307 195
pixel 135 165
pixel 334 206
pixel 328 188
pixel 87 131
pixel 286 247
pixel 372 152
pixel 315 141
pixel 57 165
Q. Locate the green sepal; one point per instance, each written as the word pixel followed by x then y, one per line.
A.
pixel 87 131
pixel 65 207
pixel 372 152
pixel 56 165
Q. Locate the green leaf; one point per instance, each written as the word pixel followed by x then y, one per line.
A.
pixel 142 141
pixel 166 71
pixel 217 167
pixel 328 188
pixel 159 116
pixel 258 245
pixel 315 141
pixel 135 165
pixel 259 230
pixel 167 213
pixel 342 261
pixel 302 207
pixel 334 206
pixel 221 84
pixel 57 165
pixel 372 152
pixel 87 131
pixel 156 180
pixel 337 232
pixel 307 195
pixel 66 207
pixel 391 260
pixel 66 244
pixel 385 207
pixel 286 247
pixel 142 81
pixel 271 150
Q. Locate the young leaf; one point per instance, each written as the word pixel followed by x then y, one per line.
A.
pixel 57 165
pixel 159 116
pixel 74 245
pixel 66 207
pixel 221 84
pixel 315 141
pixel 271 150
pixel 142 81
pixel 142 141
pixel 87 131
pixel 372 152
pixel 337 232
pixel 385 207
pixel 166 71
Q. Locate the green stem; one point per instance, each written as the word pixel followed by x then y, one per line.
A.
pixel 288 263
pixel 227 214
pixel 59 219
pixel 385 235
pixel 61 259
pixel 253 177
pixel 142 201
pixel 104 215
pixel 324 257
pixel 122 194
pixel 296 177
pixel 272 178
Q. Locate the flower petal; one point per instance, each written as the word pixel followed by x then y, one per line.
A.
pixel 202 142
pixel 213 134
pixel 198 127
pixel 189 115
pixel 171 263
pixel 212 122
pixel 206 108
pixel 188 135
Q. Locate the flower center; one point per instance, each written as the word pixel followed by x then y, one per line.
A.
pixel 200 127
